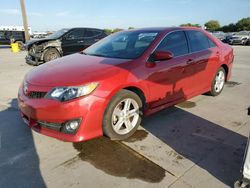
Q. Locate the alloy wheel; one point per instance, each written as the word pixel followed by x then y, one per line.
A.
pixel 219 81
pixel 125 116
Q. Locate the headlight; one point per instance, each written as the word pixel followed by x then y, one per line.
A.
pixel 68 93
pixel 36 48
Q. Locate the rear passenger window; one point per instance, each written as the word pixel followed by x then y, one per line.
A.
pixel 175 42
pixel 198 41
pixel 89 33
pixel 211 43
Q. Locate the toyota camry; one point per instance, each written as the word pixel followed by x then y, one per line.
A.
pixel 108 88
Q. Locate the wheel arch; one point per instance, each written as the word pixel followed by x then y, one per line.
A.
pixel 48 48
pixel 225 67
pixel 139 92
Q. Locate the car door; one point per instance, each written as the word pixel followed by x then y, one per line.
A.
pixel 169 80
pixel 73 41
pixel 206 55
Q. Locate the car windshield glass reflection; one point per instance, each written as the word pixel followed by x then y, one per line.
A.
pixel 124 45
pixel 57 34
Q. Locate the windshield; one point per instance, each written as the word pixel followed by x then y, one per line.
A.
pixel 57 34
pixel 123 45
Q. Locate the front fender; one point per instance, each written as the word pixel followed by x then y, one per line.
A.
pixel 52 44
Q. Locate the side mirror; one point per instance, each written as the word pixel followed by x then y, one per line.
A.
pixel 162 55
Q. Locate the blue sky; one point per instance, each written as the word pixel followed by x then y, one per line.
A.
pixel 55 14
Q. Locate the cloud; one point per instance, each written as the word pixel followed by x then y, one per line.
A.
pixel 62 14
pixel 10 11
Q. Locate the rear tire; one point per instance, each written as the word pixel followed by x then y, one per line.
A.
pixel 237 184
pixel 248 43
pixel 123 115
pixel 240 184
pixel 50 54
pixel 218 82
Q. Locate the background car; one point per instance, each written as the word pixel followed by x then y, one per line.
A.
pixel 6 37
pixel 219 35
pixel 61 43
pixel 242 38
pixel 107 88
pixel 228 37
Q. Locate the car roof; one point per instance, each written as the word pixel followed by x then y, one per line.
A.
pixel 163 29
pixel 83 28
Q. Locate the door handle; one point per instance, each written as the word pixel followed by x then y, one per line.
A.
pixel 80 41
pixel 190 61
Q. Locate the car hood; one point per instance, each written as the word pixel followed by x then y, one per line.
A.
pixel 37 41
pixel 73 70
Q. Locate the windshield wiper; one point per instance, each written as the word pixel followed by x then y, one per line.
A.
pixel 98 55
pixel 82 52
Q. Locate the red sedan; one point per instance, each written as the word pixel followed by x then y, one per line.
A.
pixel 107 88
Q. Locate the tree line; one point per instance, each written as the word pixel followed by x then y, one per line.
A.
pixel 212 25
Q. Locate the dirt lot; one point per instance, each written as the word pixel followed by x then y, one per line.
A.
pixel 199 143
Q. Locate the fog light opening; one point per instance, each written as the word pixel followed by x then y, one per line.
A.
pixel 71 126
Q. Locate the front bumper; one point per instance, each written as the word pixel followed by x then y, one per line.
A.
pixel 33 60
pixel 237 41
pixel 89 109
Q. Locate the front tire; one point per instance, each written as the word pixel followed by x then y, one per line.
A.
pixel 218 82
pixel 122 115
pixel 50 54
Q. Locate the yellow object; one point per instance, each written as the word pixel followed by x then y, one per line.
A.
pixel 14 47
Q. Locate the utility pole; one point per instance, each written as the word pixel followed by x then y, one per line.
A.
pixel 25 22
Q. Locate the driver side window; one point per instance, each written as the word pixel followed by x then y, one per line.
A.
pixel 75 34
pixel 174 42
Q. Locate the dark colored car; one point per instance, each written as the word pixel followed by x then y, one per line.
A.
pixel 219 35
pixel 228 38
pixel 107 88
pixel 61 43
pixel 16 36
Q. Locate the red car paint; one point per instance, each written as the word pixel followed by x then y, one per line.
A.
pixel 163 84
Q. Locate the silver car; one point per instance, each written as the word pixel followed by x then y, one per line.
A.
pixel 242 38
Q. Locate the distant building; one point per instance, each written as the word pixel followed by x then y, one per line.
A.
pixel 14 28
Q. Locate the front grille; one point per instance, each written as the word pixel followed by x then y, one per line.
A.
pixel 36 94
pixel 54 126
